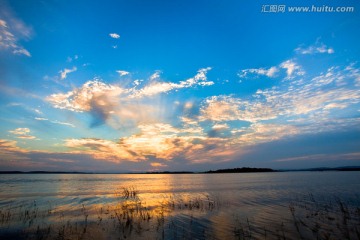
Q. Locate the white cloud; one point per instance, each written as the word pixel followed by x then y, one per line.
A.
pixel 66 71
pixel 41 119
pixel 292 68
pixel 56 122
pixel 155 87
pixel 10 32
pixel 319 157
pixel 137 82
pixel 307 102
pixel 271 72
pixel 63 123
pixel 317 48
pixel 122 72
pixel 70 59
pixel 22 51
pixel 38 111
pixel 155 75
pixel 79 99
pixel 114 35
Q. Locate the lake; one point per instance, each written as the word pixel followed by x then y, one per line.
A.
pixel 275 205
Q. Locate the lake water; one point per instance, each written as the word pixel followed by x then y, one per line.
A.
pixel 288 205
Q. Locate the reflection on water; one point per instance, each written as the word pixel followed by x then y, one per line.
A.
pixel 293 205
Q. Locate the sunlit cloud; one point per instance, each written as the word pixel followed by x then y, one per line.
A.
pixel 80 99
pixel 117 105
pixel 229 108
pixel 9 151
pixel 154 141
pixel 23 133
pixel 65 72
pixel 14 157
pixel 157 164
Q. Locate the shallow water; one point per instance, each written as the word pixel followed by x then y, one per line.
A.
pixel 198 206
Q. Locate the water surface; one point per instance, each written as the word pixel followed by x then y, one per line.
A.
pixel 200 206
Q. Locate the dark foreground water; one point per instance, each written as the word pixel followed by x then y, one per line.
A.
pixel 286 205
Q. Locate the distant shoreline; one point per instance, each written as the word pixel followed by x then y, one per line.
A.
pixel 229 170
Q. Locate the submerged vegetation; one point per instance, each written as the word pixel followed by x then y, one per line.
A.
pixel 176 217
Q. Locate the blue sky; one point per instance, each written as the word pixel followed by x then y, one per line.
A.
pixel 119 86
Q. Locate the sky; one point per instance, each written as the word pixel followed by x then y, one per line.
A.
pixel 132 86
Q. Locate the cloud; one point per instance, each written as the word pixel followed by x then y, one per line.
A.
pixel 314 49
pixel 321 157
pixel 271 72
pixel 17 158
pixel 56 122
pixel 117 105
pixel 309 105
pixel 262 132
pixel 100 149
pixel 10 152
pixel 114 35
pixel 63 73
pixel 12 30
pixel 22 51
pixel 229 108
pixel 122 72
pixel 291 67
pixel 23 133
pixel 63 123
pixel 70 59
pixel 156 87
pixel 157 164
pixel 154 141
pixel 80 99
pixel 41 119
pixel 155 75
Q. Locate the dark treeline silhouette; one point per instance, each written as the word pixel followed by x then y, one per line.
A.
pixel 242 170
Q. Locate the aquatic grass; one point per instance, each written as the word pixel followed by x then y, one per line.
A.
pixel 334 219
pixel 127 192
pixel 175 217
